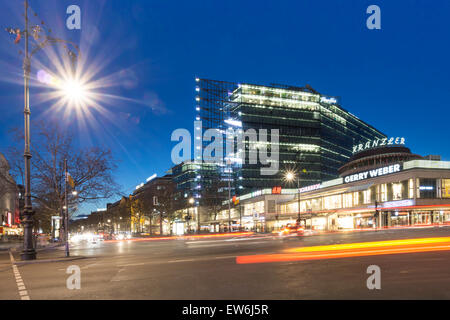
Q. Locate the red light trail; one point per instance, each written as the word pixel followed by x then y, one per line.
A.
pixel 352 250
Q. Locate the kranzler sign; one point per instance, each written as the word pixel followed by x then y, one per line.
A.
pixel 369 144
pixel 373 173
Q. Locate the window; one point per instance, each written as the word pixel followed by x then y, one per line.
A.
pixel 397 191
pixel 355 198
pixel 366 196
pixel 383 188
pixel 348 200
pixel 427 188
pixel 445 188
pixel 254 208
pixel 411 189
pixel 332 202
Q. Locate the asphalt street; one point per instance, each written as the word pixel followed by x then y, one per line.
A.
pixel 207 269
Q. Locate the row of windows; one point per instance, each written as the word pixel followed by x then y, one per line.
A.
pixel 425 188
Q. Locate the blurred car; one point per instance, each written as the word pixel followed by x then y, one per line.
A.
pixel 292 230
pixel 122 236
pixel 86 238
pixel 107 236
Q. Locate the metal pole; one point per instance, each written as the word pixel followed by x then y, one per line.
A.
pixel 298 190
pixel 66 222
pixel 240 217
pixel 229 206
pixel 198 219
pixel 29 252
pixel 189 220
pixel 229 198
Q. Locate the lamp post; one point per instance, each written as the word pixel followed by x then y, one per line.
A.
pixel 66 216
pixel 191 202
pixel 291 176
pixel 29 252
pixel 230 175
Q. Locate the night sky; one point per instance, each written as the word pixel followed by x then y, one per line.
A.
pixel 396 79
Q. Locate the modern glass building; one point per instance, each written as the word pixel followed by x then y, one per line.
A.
pixel 316 134
pixel 194 180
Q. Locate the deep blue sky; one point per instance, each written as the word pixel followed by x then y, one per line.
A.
pixel 396 78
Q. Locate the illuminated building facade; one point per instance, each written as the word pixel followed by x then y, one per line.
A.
pixel 378 188
pixel 10 194
pixel 315 132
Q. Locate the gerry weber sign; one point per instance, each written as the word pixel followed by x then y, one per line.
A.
pixel 372 173
pixel 378 143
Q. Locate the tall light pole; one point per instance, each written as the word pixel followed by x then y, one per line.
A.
pixel 291 176
pixel 66 216
pixel 42 41
pixel 29 252
pixel 191 202
pixel 230 174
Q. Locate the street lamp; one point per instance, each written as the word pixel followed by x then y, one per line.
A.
pixel 42 41
pixel 191 202
pixel 291 176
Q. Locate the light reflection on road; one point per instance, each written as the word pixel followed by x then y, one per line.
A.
pixel 352 250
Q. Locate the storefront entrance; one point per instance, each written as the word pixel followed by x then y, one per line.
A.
pixel 399 219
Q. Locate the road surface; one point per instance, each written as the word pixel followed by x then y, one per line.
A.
pixel 207 268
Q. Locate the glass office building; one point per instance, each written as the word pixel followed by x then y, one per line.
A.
pixel 316 134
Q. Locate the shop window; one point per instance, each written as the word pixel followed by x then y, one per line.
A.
pixel 316 204
pixel 291 207
pixel 383 191
pixel 348 200
pixel 332 202
pixel 397 191
pixel 356 198
pixel 427 188
pixel 445 188
pixel 411 189
pixel 404 189
pixel 367 197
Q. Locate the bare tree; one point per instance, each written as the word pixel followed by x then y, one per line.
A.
pixel 212 197
pixel 90 168
pixel 165 207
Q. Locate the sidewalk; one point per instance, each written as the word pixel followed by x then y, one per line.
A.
pixel 6 245
pixel 50 253
pixel 18 244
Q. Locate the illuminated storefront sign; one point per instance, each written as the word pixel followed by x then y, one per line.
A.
pixel 328 100
pixel 378 143
pixel 256 193
pixel 399 203
pixel 372 173
pixel 276 190
pixel 310 188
